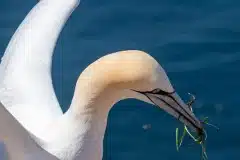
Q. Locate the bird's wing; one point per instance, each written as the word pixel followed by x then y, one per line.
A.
pixel 25 69
pixel 15 141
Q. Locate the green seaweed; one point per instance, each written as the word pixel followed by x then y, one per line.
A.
pixel 179 141
pixel 200 139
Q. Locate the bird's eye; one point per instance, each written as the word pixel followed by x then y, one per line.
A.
pixel 155 91
pixel 158 91
pixel 161 92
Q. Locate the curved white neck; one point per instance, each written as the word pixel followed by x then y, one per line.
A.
pixel 80 132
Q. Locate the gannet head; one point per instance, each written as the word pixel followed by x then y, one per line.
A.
pixel 135 74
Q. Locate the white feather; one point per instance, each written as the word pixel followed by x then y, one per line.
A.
pixel 25 71
pixel 15 141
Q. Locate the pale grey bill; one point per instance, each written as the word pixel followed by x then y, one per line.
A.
pixel 174 105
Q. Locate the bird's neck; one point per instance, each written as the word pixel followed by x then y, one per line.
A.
pixel 80 132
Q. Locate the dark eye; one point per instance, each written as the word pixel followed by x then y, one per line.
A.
pixel 155 91
pixel 159 91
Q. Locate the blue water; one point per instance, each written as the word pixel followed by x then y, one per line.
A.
pixel 197 43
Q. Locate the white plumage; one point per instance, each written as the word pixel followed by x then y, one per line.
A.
pixel 27 93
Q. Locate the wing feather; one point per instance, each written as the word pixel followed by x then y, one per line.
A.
pixel 16 142
pixel 25 71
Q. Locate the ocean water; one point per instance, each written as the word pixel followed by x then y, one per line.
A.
pixel 196 42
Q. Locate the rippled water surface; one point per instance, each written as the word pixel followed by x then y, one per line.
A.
pixel 197 43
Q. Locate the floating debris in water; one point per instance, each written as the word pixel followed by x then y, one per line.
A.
pixel 147 126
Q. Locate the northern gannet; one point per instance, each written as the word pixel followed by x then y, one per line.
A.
pixel 27 93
